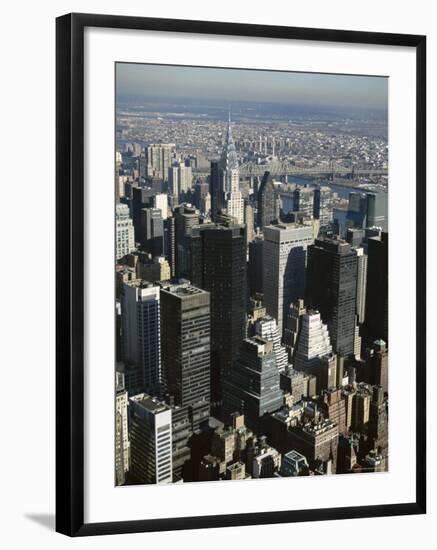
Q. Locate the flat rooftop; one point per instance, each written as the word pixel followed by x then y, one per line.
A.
pixel 150 403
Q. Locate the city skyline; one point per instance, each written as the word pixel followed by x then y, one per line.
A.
pixel 251 274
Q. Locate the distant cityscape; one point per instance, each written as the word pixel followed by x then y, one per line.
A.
pixel 251 288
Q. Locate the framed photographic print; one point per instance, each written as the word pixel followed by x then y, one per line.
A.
pixel 237 343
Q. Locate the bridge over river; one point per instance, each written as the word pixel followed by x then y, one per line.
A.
pixel 285 169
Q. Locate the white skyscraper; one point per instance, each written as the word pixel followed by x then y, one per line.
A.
pixel 314 351
pixel 314 340
pixel 285 253
pixel 124 231
pixel 180 179
pixel 151 440
pixel 161 203
pixel 234 203
pixel 267 328
pixel 185 178
pixel 140 309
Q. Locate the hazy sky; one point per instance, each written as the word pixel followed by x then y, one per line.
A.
pixel 229 85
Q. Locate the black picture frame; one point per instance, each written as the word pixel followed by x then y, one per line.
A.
pixel 70 273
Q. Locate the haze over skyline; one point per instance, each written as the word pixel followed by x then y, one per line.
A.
pixel 235 85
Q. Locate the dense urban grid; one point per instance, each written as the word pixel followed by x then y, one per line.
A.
pixel 251 294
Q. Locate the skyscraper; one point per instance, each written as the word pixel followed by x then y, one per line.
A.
pixel 234 203
pixel 142 332
pixel 249 222
pixel 314 351
pixel 170 243
pixel 158 158
pixel 296 199
pixel 356 216
pixel 255 266
pixel 160 201
pixel 202 198
pixel 180 178
pixel 186 217
pixel 220 269
pixel 251 387
pixel 124 232
pixel 377 365
pixel 361 284
pixel 152 232
pixel 316 203
pixel 151 440
pixel 225 182
pixel 367 210
pixel 285 251
pixel 376 321
pixel 331 289
pixel 118 161
pixel 186 347
pixel 267 204
pixel 292 327
pixel 355 237
pixel 142 197
pixel 217 196
pixel 377 204
pixel 267 328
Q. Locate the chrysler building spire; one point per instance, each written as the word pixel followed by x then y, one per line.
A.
pixel 229 160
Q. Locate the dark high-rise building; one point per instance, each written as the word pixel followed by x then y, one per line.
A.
pixel 377 365
pixel 296 200
pixel 182 430
pixel 267 204
pixel 316 203
pixel 251 387
pixel 186 217
pixel 376 320
pixel 293 326
pixel 367 210
pixel 201 189
pixel 377 205
pixel 216 187
pixel 152 231
pixel 141 198
pixel 220 269
pixel 331 289
pixel 255 267
pixel 361 284
pixel 355 237
pixel 142 335
pixel 357 210
pixel 186 347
